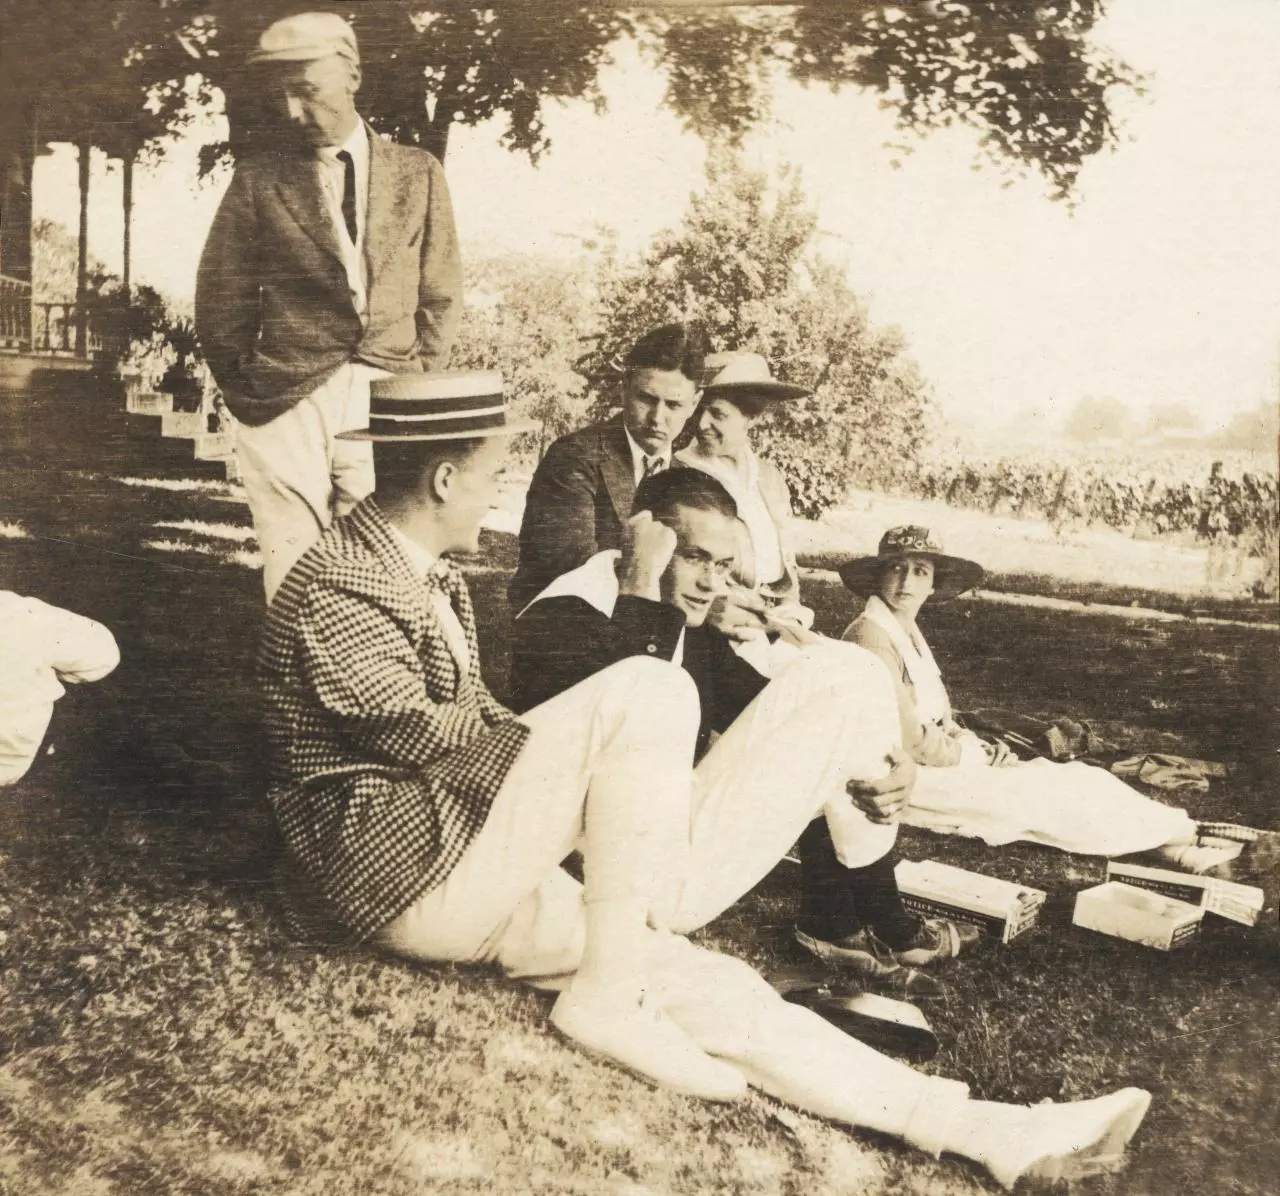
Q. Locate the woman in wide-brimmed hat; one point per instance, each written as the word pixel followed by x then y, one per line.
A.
pixel 966 786
pixel 738 389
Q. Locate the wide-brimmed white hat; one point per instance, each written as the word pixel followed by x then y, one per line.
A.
pixel 727 374
pixel 951 574
pixel 444 405
pixel 304 37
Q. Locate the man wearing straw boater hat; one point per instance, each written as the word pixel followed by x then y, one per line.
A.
pixel 323 268
pixel 425 819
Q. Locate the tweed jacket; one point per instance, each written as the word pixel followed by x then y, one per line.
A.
pixel 580 497
pixel 558 641
pixel 273 306
pixel 385 754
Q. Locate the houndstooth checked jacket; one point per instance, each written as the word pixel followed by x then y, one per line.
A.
pixel 385 758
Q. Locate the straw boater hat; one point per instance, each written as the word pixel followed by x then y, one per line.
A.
pixel 305 37
pixel 951 574
pixel 445 405
pixel 725 375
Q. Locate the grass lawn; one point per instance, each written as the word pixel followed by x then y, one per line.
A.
pixel 159 1034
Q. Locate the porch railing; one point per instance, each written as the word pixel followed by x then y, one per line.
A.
pixel 49 327
pixel 55 329
pixel 15 313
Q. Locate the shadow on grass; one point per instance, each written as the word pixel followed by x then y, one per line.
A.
pixel 139 852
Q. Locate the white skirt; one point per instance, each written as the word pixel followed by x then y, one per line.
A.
pixel 1076 807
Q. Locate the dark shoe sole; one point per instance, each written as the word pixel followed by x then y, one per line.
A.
pixel 882 1023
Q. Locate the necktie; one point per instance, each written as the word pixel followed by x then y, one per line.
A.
pixel 348 193
pixel 652 465
pixel 444 578
pixel 443 584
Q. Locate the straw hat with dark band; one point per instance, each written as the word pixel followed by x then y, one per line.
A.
pixel 727 375
pixel 951 574
pixel 445 405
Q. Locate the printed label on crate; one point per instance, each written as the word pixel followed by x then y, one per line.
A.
pixel 1137 914
pixel 999 907
pixel 1225 898
pixel 929 907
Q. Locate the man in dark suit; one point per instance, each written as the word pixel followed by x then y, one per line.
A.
pixel 323 268
pixel 582 490
pixel 432 822
pixel 653 598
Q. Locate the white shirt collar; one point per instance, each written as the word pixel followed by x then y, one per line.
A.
pixel 639 456
pixel 357 145
pixel 420 558
pixel 932 702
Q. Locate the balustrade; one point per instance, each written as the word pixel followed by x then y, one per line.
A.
pixel 15 312
pixel 49 327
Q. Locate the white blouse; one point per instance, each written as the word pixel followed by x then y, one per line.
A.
pixel 765 535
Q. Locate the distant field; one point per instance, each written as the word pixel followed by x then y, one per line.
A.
pixel 1095 562
pixel 1009 546
pixel 1180 493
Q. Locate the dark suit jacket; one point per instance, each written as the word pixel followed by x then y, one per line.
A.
pixel 273 306
pixel 580 496
pixel 560 641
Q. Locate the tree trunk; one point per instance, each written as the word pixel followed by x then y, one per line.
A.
pixel 82 266
pixel 127 201
pixel 436 141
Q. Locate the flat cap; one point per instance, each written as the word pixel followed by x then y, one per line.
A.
pixel 306 37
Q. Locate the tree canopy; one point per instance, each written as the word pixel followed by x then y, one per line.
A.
pixel 1026 77
pixel 524 316
pixel 1092 418
pixel 742 265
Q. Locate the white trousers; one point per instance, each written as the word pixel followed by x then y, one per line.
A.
pixel 22 730
pixel 297 476
pixel 630 730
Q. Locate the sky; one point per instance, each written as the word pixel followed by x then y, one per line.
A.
pixel 1161 287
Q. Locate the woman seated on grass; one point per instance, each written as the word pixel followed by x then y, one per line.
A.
pixel 968 787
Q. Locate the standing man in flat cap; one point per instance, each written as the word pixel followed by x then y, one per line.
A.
pixel 324 268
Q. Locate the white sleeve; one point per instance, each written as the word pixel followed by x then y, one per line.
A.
pixel 77 649
pixel 972 750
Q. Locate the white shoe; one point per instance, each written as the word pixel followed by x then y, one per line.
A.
pixel 648 1043
pixel 1069 1141
pixel 1201 857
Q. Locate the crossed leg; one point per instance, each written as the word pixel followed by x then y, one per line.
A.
pixel 624 739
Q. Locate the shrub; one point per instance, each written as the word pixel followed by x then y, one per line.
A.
pixel 156 343
pixel 742 264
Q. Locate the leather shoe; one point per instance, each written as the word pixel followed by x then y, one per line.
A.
pixel 937 938
pixel 864 954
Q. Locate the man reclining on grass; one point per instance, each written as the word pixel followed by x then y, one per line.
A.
pixel 431 822
pixel 826 719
